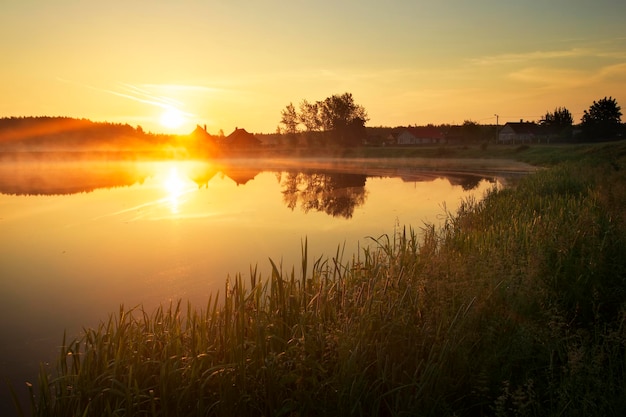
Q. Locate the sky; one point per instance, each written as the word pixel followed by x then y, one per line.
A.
pixel 171 65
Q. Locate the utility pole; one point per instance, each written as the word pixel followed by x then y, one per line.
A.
pixel 497 118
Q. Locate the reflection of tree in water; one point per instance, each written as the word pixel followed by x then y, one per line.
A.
pixel 336 194
pixel 468 182
pixel 65 178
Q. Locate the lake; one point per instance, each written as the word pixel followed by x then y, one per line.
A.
pixel 80 237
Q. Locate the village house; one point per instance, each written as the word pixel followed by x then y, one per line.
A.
pixel 201 141
pixel 240 138
pixel 518 132
pixel 420 135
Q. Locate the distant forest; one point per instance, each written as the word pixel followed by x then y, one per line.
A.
pixel 70 134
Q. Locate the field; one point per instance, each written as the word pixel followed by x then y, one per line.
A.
pixel 515 307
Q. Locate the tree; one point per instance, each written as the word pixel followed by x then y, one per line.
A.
pixel 602 120
pixel 560 118
pixel 309 115
pixel 289 119
pixel 558 124
pixel 343 119
pixel 337 117
pixel 471 131
pixel 310 119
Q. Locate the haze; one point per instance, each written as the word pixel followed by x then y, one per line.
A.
pixel 168 66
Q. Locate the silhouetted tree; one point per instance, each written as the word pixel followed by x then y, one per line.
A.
pixel 343 119
pixel 289 119
pixel 559 123
pixel 309 116
pixel 338 117
pixel 560 117
pixel 471 131
pixel 602 120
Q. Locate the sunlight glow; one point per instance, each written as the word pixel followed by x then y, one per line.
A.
pixel 176 186
pixel 172 118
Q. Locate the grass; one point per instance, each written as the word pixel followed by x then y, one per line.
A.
pixel 536 154
pixel 515 307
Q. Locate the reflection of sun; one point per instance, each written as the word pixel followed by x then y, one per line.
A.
pixel 175 186
pixel 172 118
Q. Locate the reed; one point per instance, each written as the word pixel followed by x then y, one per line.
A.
pixel 516 306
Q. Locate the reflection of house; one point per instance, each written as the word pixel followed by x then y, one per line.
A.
pixel 420 135
pixel 240 175
pixel 202 178
pixel 240 138
pixel 518 132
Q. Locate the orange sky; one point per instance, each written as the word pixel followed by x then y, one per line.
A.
pixel 238 63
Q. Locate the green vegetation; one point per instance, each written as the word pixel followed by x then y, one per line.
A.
pixel 515 307
pixel 545 155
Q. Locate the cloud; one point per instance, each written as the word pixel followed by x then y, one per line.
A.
pixel 134 93
pixel 512 58
pixel 184 88
pixel 615 72
pixel 571 78
pixel 556 77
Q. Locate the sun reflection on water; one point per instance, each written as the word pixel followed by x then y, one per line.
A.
pixel 176 185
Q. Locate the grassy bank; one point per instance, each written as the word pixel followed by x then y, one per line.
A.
pixel 537 154
pixel 515 307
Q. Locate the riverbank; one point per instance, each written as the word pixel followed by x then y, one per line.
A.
pixel 535 154
pixel 515 307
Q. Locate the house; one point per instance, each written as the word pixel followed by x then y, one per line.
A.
pixel 518 132
pixel 240 138
pixel 200 141
pixel 422 135
pixel 200 135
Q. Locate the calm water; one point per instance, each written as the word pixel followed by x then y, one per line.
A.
pixel 78 239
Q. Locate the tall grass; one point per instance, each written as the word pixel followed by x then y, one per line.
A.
pixel 515 307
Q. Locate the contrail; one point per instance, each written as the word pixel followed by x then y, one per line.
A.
pixel 135 93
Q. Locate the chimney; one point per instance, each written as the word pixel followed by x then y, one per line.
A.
pixel 521 120
pixel 205 128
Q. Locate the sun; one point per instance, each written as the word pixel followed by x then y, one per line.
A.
pixel 172 118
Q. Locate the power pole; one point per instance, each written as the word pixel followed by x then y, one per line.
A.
pixel 497 118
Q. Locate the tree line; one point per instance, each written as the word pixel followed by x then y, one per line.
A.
pixel 66 133
pixel 339 120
